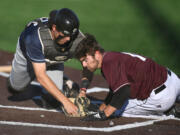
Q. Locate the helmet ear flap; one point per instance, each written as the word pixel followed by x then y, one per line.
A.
pixel 74 35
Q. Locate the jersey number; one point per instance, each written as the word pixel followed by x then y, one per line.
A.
pixel 35 23
pixel 135 55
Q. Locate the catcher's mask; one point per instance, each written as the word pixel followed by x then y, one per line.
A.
pixel 66 22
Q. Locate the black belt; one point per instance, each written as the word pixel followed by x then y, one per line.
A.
pixel 156 91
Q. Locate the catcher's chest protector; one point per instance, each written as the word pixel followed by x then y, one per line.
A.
pixel 52 55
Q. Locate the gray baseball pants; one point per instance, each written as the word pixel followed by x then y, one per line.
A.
pixel 22 74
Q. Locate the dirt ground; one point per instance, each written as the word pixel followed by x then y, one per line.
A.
pixel 21 115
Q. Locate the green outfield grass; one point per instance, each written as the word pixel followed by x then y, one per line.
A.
pixel 119 25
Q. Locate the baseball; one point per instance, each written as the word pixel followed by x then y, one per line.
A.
pixel 42 116
pixel 111 123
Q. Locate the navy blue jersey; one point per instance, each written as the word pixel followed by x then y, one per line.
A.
pixel 30 42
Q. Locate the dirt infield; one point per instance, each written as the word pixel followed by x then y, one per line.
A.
pixel 21 115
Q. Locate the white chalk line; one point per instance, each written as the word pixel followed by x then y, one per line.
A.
pixel 104 129
pixel 56 110
pixel 153 117
pixel 4 74
pixel 29 108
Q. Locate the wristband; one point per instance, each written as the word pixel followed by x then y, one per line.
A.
pixel 83 89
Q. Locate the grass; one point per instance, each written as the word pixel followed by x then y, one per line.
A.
pixel 119 25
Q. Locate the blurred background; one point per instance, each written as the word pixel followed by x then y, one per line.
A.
pixel 146 27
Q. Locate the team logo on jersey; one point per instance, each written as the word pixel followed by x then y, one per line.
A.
pixel 60 58
pixel 62 49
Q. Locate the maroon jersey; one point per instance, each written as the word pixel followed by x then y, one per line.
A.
pixel 141 73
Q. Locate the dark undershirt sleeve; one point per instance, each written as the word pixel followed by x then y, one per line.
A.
pixel 120 97
pixel 108 97
pixel 87 74
pixel 87 77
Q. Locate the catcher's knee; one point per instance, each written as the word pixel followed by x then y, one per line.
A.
pixel 13 90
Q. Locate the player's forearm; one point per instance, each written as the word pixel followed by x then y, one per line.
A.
pixel 85 81
pixel 86 74
pixel 116 100
pixel 102 107
pixel 48 84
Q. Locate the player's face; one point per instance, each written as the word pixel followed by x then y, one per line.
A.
pixel 63 39
pixel 59 37
pixel 90 62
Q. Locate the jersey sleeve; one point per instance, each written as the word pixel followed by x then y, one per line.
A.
pixel 115 74
pixel 33 46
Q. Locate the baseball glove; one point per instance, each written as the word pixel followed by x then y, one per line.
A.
pixel 70 88
pixel 82 103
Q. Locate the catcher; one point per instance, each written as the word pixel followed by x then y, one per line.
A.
pixel 42 48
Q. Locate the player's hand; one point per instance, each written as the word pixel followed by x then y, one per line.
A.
pixel 102 107
pixel 70 108
pixel 82 94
